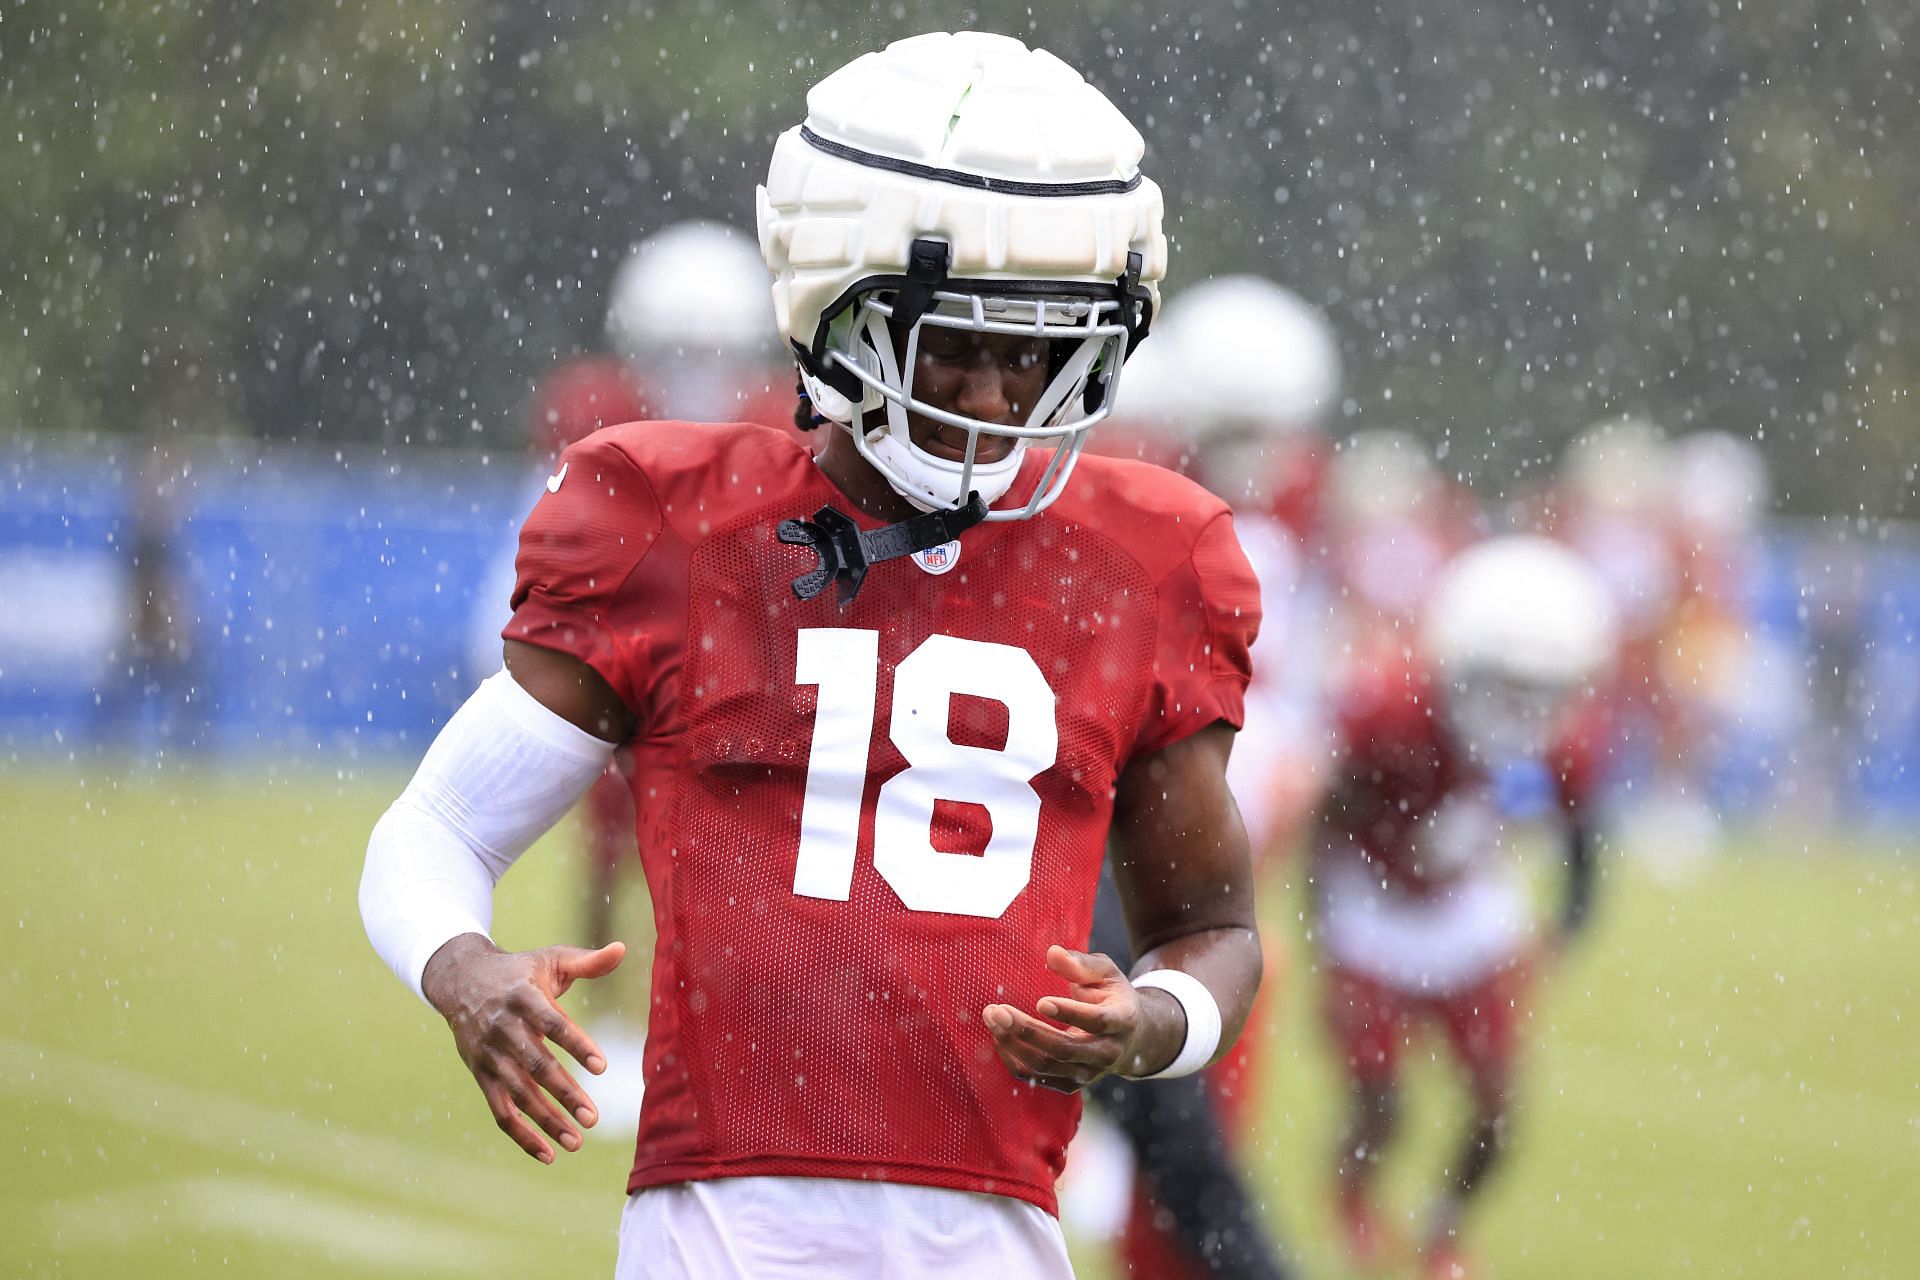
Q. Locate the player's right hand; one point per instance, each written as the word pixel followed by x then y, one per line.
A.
pixel 500 1007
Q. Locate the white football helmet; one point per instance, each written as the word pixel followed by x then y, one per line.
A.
pixel 1253 365
pixel 1621 465
pixel 690 314
pixel 1380 474
pixel 1258 358
pixel 1153 395
pixel 967 182
pixel 1515 626
pixel 1720 482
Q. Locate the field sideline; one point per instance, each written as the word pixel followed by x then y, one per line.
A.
pixel 204 1068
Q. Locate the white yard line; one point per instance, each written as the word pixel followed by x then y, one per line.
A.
pixel 267 1137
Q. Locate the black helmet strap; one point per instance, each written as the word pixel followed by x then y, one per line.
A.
pixel 845 552
pixel 927 264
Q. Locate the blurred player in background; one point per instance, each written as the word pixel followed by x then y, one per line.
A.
pixel 1141 427
pixel 695 338
pixel 692 340
pixel 1239 378
pixel 1393 522
pixel 1418 915
pixel 688 318
pixel 577 399
pixel 891 702
pixel 1260 371
pixel 1614 504
pixel 1739 692
pixel 682 346
pixel 155 680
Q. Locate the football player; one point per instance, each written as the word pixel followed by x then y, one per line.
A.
pixel 1394 521
pixel 1246 372
pixel 1418 917
pixel 688 315
pixel 1264 368
pixel 1616 504
pixel 1738 693
pixel 887 704
pixel 689 322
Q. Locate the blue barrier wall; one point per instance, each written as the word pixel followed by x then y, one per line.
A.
pixel 351 602
pixel 328 604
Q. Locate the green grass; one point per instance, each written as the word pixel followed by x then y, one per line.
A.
pixel 203 1067
pixel 1724 1081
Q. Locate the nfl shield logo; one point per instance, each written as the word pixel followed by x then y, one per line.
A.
pixel 937 560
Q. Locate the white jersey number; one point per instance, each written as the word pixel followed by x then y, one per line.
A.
pixel 845 664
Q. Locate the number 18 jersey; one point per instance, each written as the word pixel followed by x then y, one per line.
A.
pixel 862 824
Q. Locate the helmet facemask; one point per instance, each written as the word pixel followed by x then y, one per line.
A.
pixel 868 356
pixel 1502 717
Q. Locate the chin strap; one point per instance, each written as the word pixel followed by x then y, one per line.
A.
pixel 845 552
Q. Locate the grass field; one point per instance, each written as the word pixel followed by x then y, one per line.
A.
pixel 204 1069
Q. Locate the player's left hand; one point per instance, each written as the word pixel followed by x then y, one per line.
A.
pixel 1106 1026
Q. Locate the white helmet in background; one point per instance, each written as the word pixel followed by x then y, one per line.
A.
pixel 695 287
pixel 1618 480
pixel 1379 475
pixel 1619 465
pixel 1720 482
pixel 1255 357
pixel 1256 364
pixel 962 181
pixel 1147 410
pixel 1152 395
pixel 1516 625
pixel 690 314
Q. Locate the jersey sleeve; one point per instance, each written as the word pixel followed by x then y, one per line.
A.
pixel 589 578
pixel 1208 616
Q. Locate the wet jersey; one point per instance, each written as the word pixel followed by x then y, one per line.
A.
pixel 1407 797
pixel 863 824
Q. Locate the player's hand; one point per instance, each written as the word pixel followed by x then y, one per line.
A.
pixel 500 1006
pixel 1107 1026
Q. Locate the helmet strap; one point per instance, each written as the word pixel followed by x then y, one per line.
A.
pixel 926 271
pixel 1138 317
pixel 845 552
pixel 927 263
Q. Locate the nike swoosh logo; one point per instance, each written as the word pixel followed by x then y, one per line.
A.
pixel 553 482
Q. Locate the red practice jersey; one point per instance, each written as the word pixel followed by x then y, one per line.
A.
pixel 863 824
pixel 1400 764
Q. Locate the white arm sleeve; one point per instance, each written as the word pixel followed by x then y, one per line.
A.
pixel 502 772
